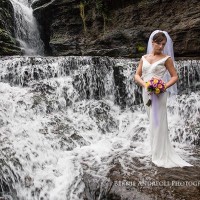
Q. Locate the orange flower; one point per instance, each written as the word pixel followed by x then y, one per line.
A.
pixel 160 86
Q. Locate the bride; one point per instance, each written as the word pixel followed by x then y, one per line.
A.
pixel 158 63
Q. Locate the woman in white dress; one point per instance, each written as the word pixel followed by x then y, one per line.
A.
pixel 159 63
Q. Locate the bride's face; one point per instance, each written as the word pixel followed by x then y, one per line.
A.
pixel 159 46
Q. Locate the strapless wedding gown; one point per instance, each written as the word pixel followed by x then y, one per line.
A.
pixel 163 154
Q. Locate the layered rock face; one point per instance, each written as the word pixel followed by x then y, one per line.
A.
pixel 107 27
pixel 116 27
pixel 8 44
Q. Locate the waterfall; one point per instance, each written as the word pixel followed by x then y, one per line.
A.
pixel 66 121
pixel 26 29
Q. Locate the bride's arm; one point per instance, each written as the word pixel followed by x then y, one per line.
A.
pixel 138 75
pixel 172 71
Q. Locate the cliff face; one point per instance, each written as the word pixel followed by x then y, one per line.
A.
pixel 116 27
pixel 8 44
pixel 107 27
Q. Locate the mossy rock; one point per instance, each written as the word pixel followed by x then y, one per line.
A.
pixel 39 3
pixel 8 43
pixel 6 37
pixel 140 48
pixel 7 49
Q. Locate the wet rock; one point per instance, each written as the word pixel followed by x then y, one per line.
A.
pixel 121 95
pixel 91 84
pixel 116 28
pixel 102 117
pixel 97 188
pixel 38 3
pixel 156 183
pixel 104 188
pixel 6 188
pixel 8 43
pixel 28 181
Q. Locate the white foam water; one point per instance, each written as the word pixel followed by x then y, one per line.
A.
pixel 56 126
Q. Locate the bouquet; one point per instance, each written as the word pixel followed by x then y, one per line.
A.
pixel 156 86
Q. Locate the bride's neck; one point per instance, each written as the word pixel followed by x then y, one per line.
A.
pixel 156 53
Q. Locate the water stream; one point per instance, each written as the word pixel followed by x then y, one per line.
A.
pixel 26 29
pixel 65 122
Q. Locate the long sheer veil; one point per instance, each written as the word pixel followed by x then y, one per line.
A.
pixel 168 50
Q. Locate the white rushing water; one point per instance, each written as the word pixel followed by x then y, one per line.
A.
pixel 26 29
pixel 60 127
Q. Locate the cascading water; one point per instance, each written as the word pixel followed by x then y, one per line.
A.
pixel 26 29
pixel 66 121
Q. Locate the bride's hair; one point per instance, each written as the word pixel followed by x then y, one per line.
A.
pixel 159 37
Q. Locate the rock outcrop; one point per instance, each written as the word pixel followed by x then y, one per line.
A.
pixel 116 27
pixel 8 43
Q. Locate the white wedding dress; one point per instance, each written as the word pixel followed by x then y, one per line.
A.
pixel 163 154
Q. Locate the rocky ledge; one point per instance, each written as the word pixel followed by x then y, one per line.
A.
pixel 8 43
pixel 116 27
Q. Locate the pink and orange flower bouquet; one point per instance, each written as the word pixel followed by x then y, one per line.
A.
pixel 155 86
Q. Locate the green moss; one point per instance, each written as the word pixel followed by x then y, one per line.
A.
pixel 140 48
